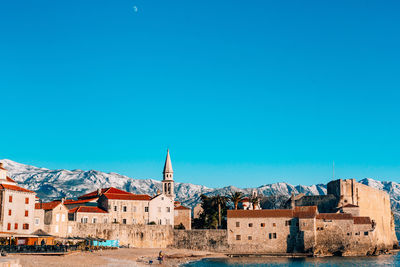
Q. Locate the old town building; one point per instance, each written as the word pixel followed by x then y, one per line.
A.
pixel 52 217
pixel 17 206
pixel 352 227
pixel 182 216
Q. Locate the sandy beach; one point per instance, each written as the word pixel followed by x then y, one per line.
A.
pixel 115 258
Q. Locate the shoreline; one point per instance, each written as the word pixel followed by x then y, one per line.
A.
pixel 140 257
pixel 114 258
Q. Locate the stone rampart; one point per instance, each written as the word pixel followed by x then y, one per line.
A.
pixel 141 236
pixel 201 239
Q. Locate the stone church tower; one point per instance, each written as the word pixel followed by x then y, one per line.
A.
pixel 168 179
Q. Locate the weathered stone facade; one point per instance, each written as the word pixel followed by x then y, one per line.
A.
pixel 183 215
pixel 204 240
pixel 140 236
pixel 358 222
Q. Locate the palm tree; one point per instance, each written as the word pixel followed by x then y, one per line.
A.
pixel 235 198
pixel 220 201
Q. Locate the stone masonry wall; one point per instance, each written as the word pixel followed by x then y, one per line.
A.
pixel 141 236
pixel 205 240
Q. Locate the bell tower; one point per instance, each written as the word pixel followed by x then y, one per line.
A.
pixel 168 177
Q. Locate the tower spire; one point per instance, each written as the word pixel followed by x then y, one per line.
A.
pixel 168 177
pixel 168 166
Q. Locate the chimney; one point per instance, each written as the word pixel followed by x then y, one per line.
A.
pixel 41 203
pixel 98 192
pixel 62 200
pixel 1 164
pixel 158 192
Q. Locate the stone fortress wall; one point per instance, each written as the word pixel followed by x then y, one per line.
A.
pixel 140 236
pixel 372 203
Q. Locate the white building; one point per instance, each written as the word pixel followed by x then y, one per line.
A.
pixel 161 207
pixel 17 206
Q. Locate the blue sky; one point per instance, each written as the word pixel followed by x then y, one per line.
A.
pixel 242 92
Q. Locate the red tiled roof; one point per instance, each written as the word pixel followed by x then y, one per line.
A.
pixel 127 196
pixel 260 213
pixel 182 208
pixel 362 220
pixel 71 201
pixel 10 180
pixel 245 199
pixel 350 206
pixel 47 206
pixel 87 209
pixel 305 211
pixel 15 188
pixel 93 194
pixel 335 216
pixel 114 193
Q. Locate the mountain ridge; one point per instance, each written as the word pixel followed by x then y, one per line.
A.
pixel 55 184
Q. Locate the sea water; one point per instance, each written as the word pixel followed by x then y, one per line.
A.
pixel 383 260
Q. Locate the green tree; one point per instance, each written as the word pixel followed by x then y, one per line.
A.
pixel 213 215
pixel 235 198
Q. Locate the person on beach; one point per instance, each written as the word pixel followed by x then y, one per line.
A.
pixel 160 257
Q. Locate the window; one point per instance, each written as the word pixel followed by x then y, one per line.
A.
pixel 26 213
pixel 69 229
pixel 146 209
pixel 105 220
pixel 167 222
pixel 56 229
pixel 134 208
pixel 250 237
pixel 94 220
pixel 134 221
pixel 9 212
pixel 9 226
pixel 162 198
pixel 274 224
pixel 10 199
pixel 115 208
pixel 62 217
pixel 288 223
pixel 348 233
pixel 238 237
pixel 270 236
pixel 365 233
pixel 25 226
pixel 250 225
pixel 115 220
pixel 262 224
pixel 16 226
pixel 84 220
pixel 168 209
pixel 237 224
pixel 27 200
pixel 159 209
pixel 124 221
pixel 37 221
pixel 57 217
pixel 274 235
pixel 124 209
pixel 358 233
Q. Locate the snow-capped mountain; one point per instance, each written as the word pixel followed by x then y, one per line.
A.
pixel 53 184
